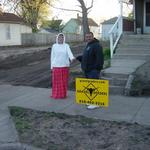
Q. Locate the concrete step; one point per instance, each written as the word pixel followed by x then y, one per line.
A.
pixel 136 36
pixel 133 46
pixel 115 81
pixel 109 74
pixel 125 63
pixel 135 39
pixel 134 43
pixel 131 51
pixel 132 56
pixel 116 90
pixel 118 72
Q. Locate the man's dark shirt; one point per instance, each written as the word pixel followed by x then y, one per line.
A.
pixel 92 58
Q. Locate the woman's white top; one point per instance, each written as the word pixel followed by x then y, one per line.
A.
pixel 61 55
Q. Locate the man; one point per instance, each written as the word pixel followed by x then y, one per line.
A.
pixel 92 59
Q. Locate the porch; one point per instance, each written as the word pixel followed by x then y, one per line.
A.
pixel 132 51
pixel 128 51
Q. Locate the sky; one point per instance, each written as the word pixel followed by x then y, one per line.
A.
pixel 102 9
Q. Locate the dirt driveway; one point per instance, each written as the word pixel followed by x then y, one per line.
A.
pixel 53 131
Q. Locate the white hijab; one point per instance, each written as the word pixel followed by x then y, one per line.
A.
pixel 58 36
pixel 58 60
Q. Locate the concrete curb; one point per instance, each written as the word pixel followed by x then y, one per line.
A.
pixel 17 146
pixel 14 145
pixel 10 146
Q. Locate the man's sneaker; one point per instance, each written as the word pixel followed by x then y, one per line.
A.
pixel 92 107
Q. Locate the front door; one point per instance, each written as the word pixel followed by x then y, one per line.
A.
pixel 147 16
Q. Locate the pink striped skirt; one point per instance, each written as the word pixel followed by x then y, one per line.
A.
pixel 60 77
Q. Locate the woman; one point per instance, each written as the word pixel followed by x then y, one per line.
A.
pixel 61 56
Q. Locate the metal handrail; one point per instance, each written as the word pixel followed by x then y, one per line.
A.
pixel 115 34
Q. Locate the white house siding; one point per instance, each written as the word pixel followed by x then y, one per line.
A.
pixel 26 29
pixel 14 35
pixel 96 31
pixel 105 28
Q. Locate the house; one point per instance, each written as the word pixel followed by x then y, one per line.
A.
pixel 128 26
pixel 141 15
pixel 51 26
pixel 11 28
pixel 130 53
pixel 48 31
pixel 74 25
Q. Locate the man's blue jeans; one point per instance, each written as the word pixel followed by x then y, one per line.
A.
pixel 93 74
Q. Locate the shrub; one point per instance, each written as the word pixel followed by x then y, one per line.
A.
pixel 106 53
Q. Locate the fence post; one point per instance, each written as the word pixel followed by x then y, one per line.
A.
pixel 111 44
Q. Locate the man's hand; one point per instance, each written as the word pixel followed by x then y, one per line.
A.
pixel 72 60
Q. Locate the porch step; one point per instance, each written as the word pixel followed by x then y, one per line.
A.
pixel 132 56
pixel 131 52
pixel 116 90
pixel 108 73
pixel 135 40
pixel 133 45
pixel 117 82
pixel 119 71
pixel 124 63
pixel 136 36
pixel 116 85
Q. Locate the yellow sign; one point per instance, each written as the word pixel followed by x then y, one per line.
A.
pixel 92 91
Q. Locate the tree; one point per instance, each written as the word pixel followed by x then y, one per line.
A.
pixel 130 15
pixel 32 11
pixel 84 11
pixel 54 24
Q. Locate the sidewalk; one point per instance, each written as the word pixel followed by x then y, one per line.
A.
pixel 121 108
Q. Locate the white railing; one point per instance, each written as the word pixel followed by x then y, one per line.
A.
pixel 115 34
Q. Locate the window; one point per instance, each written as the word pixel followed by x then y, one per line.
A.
pixel 8 36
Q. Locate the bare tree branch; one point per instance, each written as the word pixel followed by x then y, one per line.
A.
pixel 91 5
pixel 65 9
pixel 82 3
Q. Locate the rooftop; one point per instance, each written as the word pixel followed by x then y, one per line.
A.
pixel 10 17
